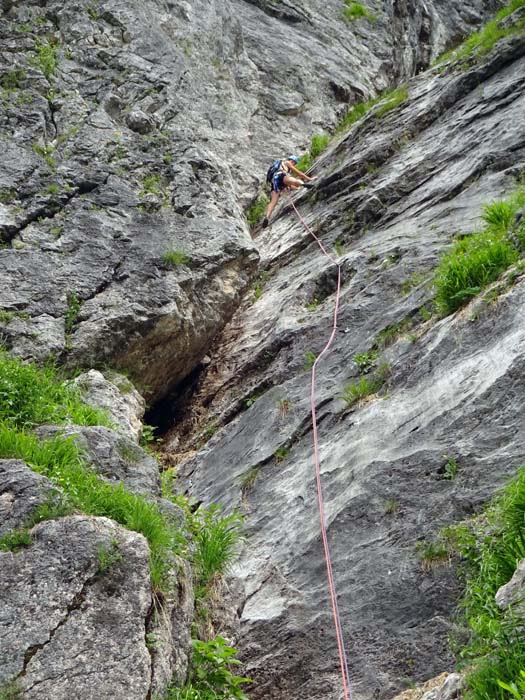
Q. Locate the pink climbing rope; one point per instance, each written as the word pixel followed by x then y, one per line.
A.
pixel 331 584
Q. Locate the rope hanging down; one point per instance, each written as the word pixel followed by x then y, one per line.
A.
pixel 331 584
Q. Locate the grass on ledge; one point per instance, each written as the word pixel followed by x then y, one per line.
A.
pixel 481 42
pixel 30 396
pixel 475 261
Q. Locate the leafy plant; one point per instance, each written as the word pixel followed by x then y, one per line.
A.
pixel 46 58
pixel 73 310
pixel 366 360
pixel 46 152
pixel 173 258
pixel 450 468
pixel 255 212
pixel 210 675
pixel 152 184
pixel 313 305
pixel 432 554
pixel 481 42
pixel 361 389
pixel 30 396
pixel 12 79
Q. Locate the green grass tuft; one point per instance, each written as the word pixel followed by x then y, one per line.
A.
pixel 15 540
pixel 481 42
pixel 355 10
pixel 174 258
pixel 477 260
pixel 491 548
pixel 31 396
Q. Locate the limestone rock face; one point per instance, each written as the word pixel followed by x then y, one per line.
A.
pixel 123 403
pixel 21 492
pixel 133 131
pixel 513 592
pixel 392 195
pixel 113 456
pixel 68 616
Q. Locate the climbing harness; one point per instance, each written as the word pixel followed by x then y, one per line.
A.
pixel 331 584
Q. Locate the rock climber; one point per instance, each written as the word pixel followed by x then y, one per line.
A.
pixel 279 177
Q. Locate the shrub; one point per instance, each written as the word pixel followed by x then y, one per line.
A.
pixel 365 360
pixel 210 676
pixel 46 58
pixel 73 310
pixel 255 212
pixel 319 144
pixel 13 79
pixel 30 396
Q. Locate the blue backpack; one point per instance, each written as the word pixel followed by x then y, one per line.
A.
pixel 274 167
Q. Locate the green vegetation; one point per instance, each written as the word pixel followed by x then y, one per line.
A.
pixel 355 10
pixel 391 507
pixel 365 360
pixel 30 396
pixel 7 316
pixel 46 58
pixel 10 691
pixel 480 43
pixel 309 360
pixel 387 101
pixel 281 453
pixel 432 554
pixel 391 333
pixel 258 285
pixel 491 547
pixel 53 188
pixel 255 212
pixel 313 305
pixel 7 196
pixel 475 261
pixel 46 152
pixel 15 540
pixel 366 386
pixel 13 79
pixel 450 468
pixel 73 310
pixel 210 676
pixel 152 184
pixel 109 556
pixel 248 479
pixel 173 258
pixel 217 539
pixel 318 144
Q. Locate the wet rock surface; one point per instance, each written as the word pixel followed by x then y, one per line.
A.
pixel 392 195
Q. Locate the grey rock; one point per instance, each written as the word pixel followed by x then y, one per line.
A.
pixel 454 389
pixel 117 396
pixel 21 492
pixel 450 690
pixel 139 121
pixel 113 456
pixel 170 632
pixel 71 627
pixel 513 592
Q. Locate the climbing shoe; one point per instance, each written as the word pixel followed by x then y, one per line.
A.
pixel 265 222
pixel 308 185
